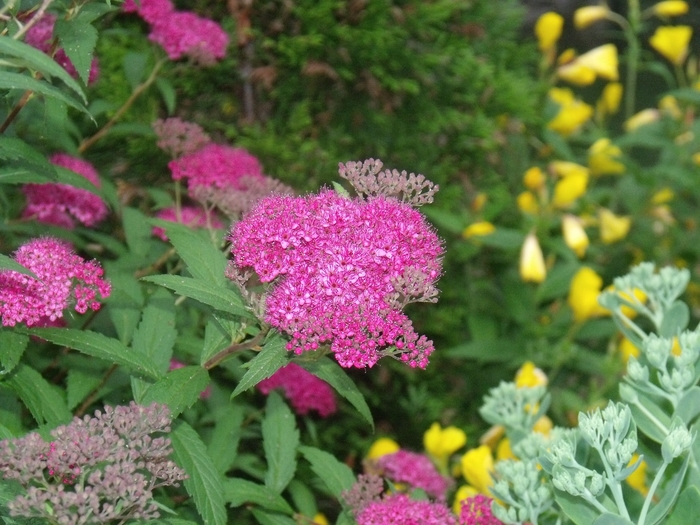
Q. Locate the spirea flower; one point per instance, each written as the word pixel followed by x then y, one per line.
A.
pixel 178 137
pixel 191 216
pixel 64 279
pixel 64 205
pixel 150 10
pixel 217 166
pixel 399 509
pixel 304 390
pixel 415 470
pixel 41 36
pixel 477 511
pixel 341 271
pixel 94 470
pixel 183 33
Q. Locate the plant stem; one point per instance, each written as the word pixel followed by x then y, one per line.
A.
pixel 650 495
pixel 39 13
pixel 15 110
pixel 93 393
pixel 226 352
pixel 631 32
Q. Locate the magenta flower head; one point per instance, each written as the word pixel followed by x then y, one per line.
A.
pixel 340 272
pixel 64 205
pixel 477 511
pixel 415 470
pixel 41 36
pixel 399 509
pixel 189 215
pixel 304 390
pixel 183 33
pixel 150 10
pixel 64 279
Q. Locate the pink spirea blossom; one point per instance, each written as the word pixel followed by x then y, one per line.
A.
pixel 415 470
pixel 190 216
pixel 179 137
pixel 61 204
pixel 338 266
pixel 399 509
pixel 150 10
pixel 41 36
pixel 217 166
pixel 304 390
pixel 64 279
pixel 477 511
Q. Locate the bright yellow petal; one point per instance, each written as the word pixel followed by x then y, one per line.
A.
pixel 644 117
pixel 382 447
pixel 527 203
pixel 534 178
pixel 663 196
pixel 571 117
pixel 478 229
pixel 532 267
pixel 672 42
pixel 548 30
pixel 613 228
pixel 576 73
pixel 668 104
pixel 528 376
pixel 477 465
pixel 543 425
pixel 442 443
pixel 568 189
pixel 602 60
pixel 637 480
pixel 583 294
pixel 585 16
pixel 320 519
pixel 602 158
pixel 610 98
pixel 564 168
pixel 627 349
pixel 503 450
pixel 670 8
pixel 574 235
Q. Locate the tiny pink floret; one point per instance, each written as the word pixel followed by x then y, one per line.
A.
pixel 399 509
pixel 65 279
pixel 415 470
pixel 304 390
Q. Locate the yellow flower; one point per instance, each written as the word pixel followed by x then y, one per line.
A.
pixel 479 201
pixel 670 8
pixel 612 227
pixel 574 235
pixel 609 101
pixel 561 96
pixel 662 196
pixel 573 113
pixel 696 158
pixel 583 294
pixel 478 229
pixel 320 519
pixel 564 168
pixel 672 42
pixel 532 267
pixel 527 203
pixel 576 73
pixel 534 178
pixel 602 60
pixel 585 16
pixel 602 158
pixel 543 425
pixel 627 349
pixel 463 492
pixel 477 465
pixel 638 479
pixel 568 189
pixel 548 30
pixel 441 443
pixel 528 376
pixel 382 447
pixel 644 117
pixel 503 450
pixel 626 310
pixel 669 104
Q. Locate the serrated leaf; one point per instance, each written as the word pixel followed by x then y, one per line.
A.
pixel 39 61
pixel 179 389
pixel 43 400
pixel 101 346
pixel 337 476
pixel 78 39
pixel 79 383
pixel 240 491
pixel 156 334
pixel 11 81
pixel 204 260
pixel 330 372
pixel 136 230
pixel 271 358
pixel 72 178
pixel 216 338
pixel 20 159
pixel 270 518
pixel 687 509
pixel 7 263
pixel 204 483
pixel 280 441
pixel 12 346
pixel 302 498
pixel 217 297
pixel 224 439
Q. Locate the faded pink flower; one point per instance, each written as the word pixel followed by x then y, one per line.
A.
pixel 217 166
pixel 189 216
pixel 178 137
pixel 304 390
pixel 150 10
pixel 65 279
pixel 40 36
pixel 477 511
pixel 61 204
pixel 415 470
pixel 342 269
pixel 399 509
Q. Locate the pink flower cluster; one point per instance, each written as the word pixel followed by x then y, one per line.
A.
pixel 399 509
pixel 341 268
pixel 40 36
pixel 477 511
pixel 217 166
pixel 63 278
pixel 415 470
pixel 179 137
pixel 181 33
pixel 61 204
pixel 303 389
pixel 189 215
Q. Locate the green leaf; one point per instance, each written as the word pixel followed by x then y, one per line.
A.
pixel 179 389
pixel 11 81
pixel 72 178
pixel 345 519
pixel 204 260
pixel 240 491
pixel 302 497
pixel 137 231
pixel 484 351
pixel 503 238
pixel 650 419
pixel 78 39
pixel 280 441
pixel 12 346
pixel 204 483
pixel 217 337
pixel 337 476
pixel 324 368
pixel 156 334
pixel 224 439
pixel 269 518
pixel 124 304
pixel 578 511
pixel 671 491
pixel 167 91
pixel 23 164
pixel 135 67
pixel 687 509
pixel 79 383
pixel 611 519
pixel 44 401
pixel 271 358
pixel 7 263
pixel 557 283
pixel 101 346
pixel 689 406
pixel 675 320
pixel 217 297
pixel 39 61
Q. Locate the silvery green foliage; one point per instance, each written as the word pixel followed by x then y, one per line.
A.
pixel 517 409
pixel 521 486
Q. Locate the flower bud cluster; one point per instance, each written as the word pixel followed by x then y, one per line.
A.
pixel 520 486
pixel 515 408
pixel 95 470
